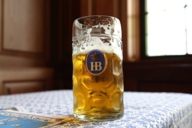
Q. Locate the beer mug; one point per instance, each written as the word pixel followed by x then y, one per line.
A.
pixel 97 68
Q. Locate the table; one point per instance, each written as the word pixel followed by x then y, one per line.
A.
pixel 142 109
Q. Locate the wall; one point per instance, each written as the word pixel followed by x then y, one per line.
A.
pixel 24 46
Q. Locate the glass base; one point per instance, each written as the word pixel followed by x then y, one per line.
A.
pixel 99 117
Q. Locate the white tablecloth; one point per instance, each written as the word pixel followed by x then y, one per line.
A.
pixel 142 110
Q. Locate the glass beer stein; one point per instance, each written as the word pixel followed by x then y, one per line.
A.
pixel 97 68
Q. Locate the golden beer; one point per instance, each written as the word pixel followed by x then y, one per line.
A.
pixel 101 96
pixel 97 68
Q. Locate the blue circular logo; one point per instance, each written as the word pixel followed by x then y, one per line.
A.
pixel 96 62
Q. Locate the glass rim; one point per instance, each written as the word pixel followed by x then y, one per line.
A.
pixel 97 25
pixel 89 16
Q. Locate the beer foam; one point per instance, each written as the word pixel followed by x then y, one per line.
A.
pixel 105 44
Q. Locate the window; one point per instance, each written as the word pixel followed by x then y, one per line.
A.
pixel 168 27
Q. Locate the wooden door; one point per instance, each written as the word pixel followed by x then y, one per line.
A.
pixel 24 43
